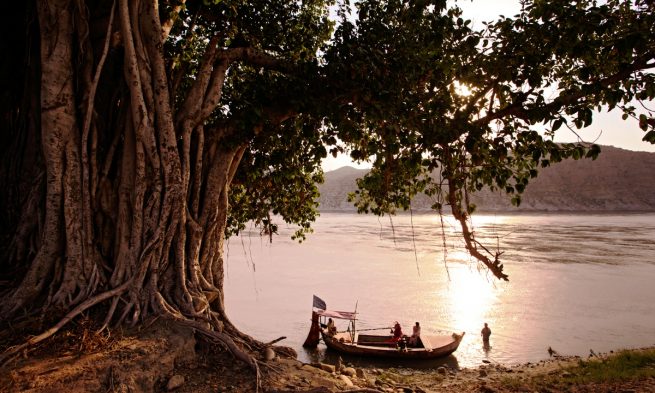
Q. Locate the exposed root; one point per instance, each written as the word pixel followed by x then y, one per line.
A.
pixel 226 341
pixel 323 389
pixel 72 314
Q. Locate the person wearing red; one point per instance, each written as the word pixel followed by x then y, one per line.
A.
pixel 397 332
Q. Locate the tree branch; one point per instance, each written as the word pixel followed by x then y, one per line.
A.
pixel 518 110
pixel 167 25
pixel 257 58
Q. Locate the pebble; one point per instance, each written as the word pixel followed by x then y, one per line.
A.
pixel 175 382
pixel 269 354
pixel 348 371
pixel 327 367
pixel 360 373
pixel 346 380
pixel 442 370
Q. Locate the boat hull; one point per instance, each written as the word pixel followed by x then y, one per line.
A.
pixel 446 347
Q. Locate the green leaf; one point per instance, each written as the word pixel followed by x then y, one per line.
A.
pixel 649 137
pixel 558 123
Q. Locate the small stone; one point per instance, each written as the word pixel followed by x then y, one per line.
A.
pixel 348 371
pixel 360 373
pixel 269 354
pixel 327 367
pixel 175 382
pixel 485 361
pixel 442 370
pixel 346 380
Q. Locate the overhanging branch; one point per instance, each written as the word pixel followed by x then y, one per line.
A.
pixel 522 112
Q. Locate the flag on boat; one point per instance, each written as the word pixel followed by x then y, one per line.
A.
pixel 318 303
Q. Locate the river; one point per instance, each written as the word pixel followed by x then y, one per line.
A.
pixel 578 282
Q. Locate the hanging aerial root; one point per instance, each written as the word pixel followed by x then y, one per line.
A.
pixel 75 312
pixel 495 266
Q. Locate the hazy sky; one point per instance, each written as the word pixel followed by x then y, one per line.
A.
pixel 607 128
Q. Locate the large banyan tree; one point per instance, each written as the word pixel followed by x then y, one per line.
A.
pixel 138 134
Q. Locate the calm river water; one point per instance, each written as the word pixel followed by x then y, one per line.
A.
pixel 577 282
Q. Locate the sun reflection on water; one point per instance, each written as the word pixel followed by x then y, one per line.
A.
pixel 472 297
pixel 472 301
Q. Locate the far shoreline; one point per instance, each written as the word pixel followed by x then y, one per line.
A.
pixel 504 212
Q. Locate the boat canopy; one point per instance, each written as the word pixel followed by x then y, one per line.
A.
pixel 337 314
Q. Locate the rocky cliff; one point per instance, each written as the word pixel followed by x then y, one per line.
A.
pixel 619 180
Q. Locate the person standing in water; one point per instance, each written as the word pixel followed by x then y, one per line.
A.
pixel 486 333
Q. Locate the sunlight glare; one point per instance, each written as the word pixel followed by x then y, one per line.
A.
pixel 462 89
pixel 472 298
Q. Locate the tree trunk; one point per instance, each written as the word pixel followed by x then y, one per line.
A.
pixel 132 209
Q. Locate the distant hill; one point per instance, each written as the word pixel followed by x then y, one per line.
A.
pixel 619 180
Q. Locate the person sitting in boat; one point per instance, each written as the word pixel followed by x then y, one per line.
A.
pixel 397 332
pixel 416 335
pixel 331 328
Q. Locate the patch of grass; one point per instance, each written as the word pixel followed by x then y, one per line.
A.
pixel 622 366
pixel 392 375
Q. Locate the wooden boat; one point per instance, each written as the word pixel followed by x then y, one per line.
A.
pixel 356 343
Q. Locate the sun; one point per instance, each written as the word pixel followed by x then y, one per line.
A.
pixel 462 89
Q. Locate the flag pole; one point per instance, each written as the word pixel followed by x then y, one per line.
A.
pixel 354 319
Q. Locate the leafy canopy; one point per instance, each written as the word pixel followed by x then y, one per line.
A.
pixel 436 106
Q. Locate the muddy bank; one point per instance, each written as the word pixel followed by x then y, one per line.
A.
pixel 169 358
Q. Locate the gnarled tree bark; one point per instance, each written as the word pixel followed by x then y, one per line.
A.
pixel 132 209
